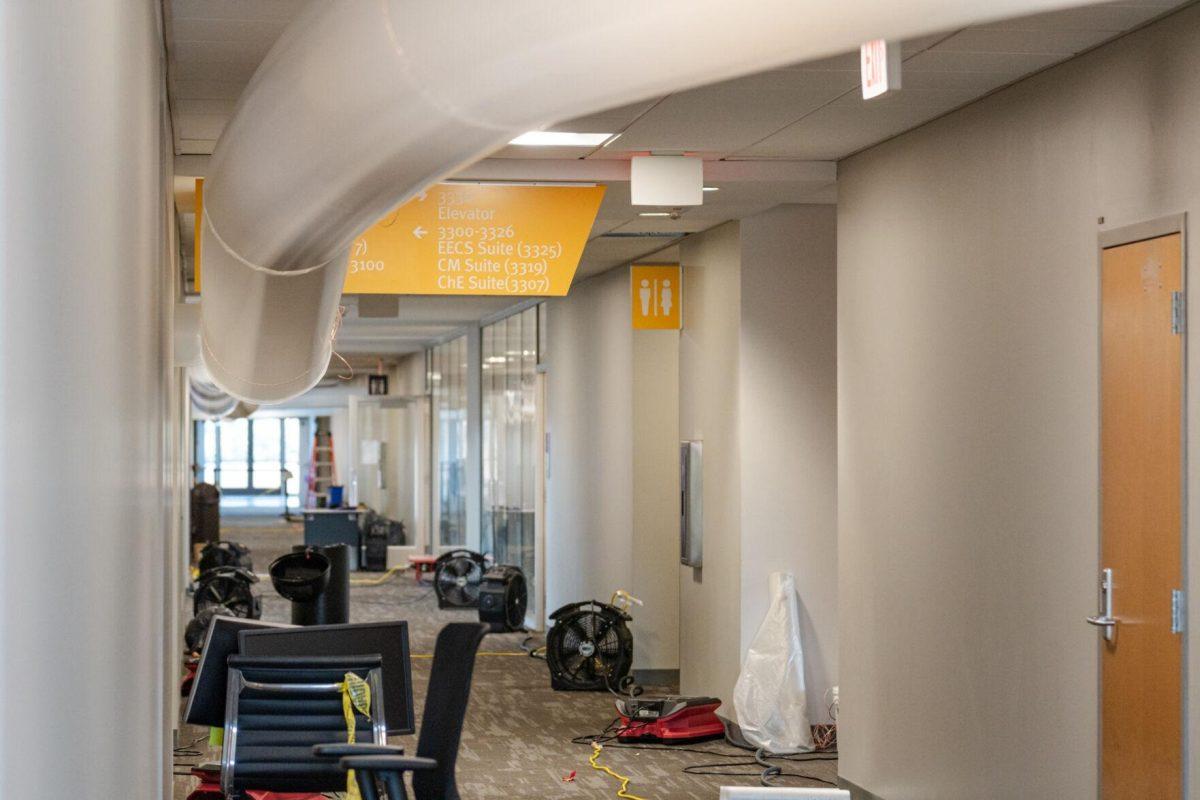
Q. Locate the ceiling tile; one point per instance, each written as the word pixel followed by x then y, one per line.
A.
pixel 196 147
pixel 843 62
pixel 843 128
pixel 1013 65
pixel 208 90
pixel 267 10
pixel 200 126
pixel 1110 17
pixel 613 120
pixel 238 72
pixel 605 253
pixel 1056 42
pixel 240 53
pixel 526 151
pixel 252 33
pixel 198 106
pixel 729 115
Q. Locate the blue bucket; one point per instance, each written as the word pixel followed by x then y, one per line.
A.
pixel 335 496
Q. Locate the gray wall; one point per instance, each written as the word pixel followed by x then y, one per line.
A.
pixel 612 490
pixel 968 416
pixel 655 474
pixel 85 571
pixel 752 376
pixel 788 427
pixel 758 385
pixel 710 625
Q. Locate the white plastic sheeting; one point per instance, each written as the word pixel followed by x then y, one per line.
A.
pixel 769 696
pixel 363 103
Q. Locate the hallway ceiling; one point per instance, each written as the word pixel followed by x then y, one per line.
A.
pixel 768 139
pixel 810 111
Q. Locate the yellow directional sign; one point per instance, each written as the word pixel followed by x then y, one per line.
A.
pixel 470 239
pixel 656 296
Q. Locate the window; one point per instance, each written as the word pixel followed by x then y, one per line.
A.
pixel 448 379
pixel 234 467
pixel 245 457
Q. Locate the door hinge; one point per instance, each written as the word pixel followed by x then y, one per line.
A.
pixel 1178 313
pixel 1177 610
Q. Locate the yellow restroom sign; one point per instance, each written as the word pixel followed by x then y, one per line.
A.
pixel 472 239
pixel 656 296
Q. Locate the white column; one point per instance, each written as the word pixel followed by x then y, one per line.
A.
pixel 83 509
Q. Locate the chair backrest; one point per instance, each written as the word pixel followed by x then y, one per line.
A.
pixel 278 707
pixel 445 707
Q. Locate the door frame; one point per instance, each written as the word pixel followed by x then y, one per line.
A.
pixel 536 615
pixel 420 404
pixel 1110 237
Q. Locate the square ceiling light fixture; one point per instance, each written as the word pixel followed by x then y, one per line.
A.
pixel 562 139
pixel 666 180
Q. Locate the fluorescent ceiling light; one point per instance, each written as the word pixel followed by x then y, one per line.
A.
pixel 712 188
pixel 561 139
pixel 655 214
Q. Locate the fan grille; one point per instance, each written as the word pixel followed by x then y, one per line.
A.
pixel 457 581
pixel 589 649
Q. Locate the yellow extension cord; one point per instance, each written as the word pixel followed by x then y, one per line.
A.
pixel 376 581
pixel 623 792
pixel 480 653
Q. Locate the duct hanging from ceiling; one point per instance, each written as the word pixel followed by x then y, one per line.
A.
pixel 362 103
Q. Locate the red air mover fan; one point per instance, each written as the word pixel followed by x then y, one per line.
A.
pixel 671 720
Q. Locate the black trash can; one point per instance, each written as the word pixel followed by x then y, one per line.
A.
pixel 317 581
pixel 205 514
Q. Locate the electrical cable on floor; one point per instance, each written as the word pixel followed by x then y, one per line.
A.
pixel 384 578
pixel 623 792
pixel 393 603
pixel 769 770
pixel 504 653
pixel 533 652
pixel 759 759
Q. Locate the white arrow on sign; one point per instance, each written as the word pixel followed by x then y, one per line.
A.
pixel 419 232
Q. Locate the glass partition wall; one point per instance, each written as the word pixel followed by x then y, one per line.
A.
pixel 448 382
pixel 510 442
pixel 506 417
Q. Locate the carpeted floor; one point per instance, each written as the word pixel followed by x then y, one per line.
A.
pixel 517 739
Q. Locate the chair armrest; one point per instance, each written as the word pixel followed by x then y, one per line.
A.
pixel 344 749
pixel 387 763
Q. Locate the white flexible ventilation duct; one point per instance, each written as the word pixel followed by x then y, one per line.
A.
pixel 362 103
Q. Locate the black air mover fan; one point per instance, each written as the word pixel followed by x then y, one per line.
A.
pixel 589 647
pixel 228 588
pixel 224 554
pixel 456 578
pixel 503 597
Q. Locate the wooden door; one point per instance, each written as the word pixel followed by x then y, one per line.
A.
pixel 1141 518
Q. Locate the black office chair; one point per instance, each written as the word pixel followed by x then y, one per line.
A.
pixel 441 725
pixel 278 708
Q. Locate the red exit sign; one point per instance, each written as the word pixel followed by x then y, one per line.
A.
pixel 880 62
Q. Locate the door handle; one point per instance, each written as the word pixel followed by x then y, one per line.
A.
pixel 1105 619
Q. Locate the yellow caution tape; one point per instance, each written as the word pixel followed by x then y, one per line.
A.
pixel 356 696
pixel 623 792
